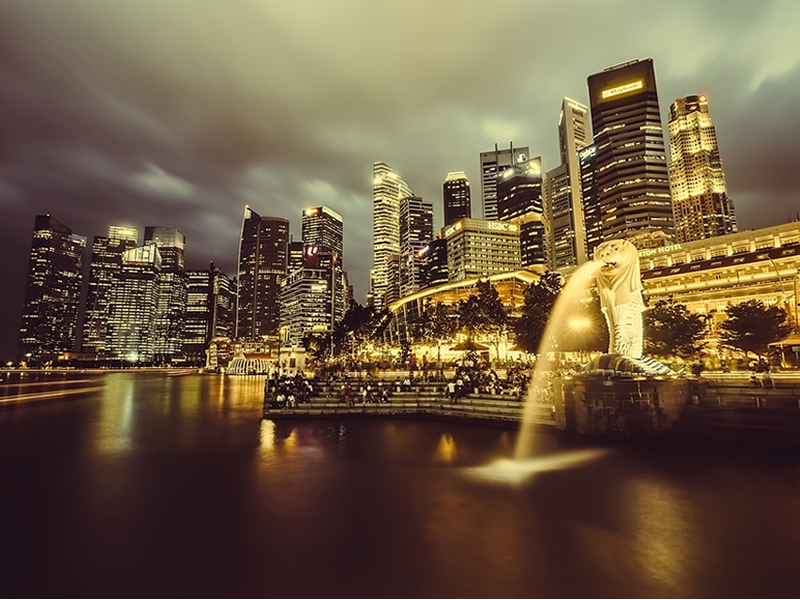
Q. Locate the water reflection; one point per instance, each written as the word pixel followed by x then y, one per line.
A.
pixel 446 450
pixel 115 422
pixel 178 488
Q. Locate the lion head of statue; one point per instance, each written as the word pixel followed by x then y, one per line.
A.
pixel 619 267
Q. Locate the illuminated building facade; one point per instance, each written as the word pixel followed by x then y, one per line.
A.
pixel 263 258
pixel 433 263
pixel 388 189
pixel 393 288
pixel 697 181
pixel 711 274
pixel 563 197
pixel 295 256
pixel 519 201
pixel 323 231
pixel 510 287
pixel 492 164
pixel 105 263
pixel 481 248
pixel 210 311
pixel 630 167
pixel 456 197
pixel 173 286
pixel 52 292
pixel 323 227
pixel 135 306
pixel 309 302
pixel 416 231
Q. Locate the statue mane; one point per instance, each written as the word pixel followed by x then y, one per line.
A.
pixel 622 283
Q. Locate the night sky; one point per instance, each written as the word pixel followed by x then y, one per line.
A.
pixel 180 112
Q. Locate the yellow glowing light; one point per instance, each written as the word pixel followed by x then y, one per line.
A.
pixel 622 89
pixel 580 323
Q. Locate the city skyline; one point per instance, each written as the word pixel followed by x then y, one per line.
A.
pixel 102 129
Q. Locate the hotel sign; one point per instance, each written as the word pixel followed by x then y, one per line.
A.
pixel 622 89
pixel 651 251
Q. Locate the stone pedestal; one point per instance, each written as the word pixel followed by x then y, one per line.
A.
pixel 620 405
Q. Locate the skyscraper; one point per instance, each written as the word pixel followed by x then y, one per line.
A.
pixel 562 190
pixel 295 260
pixel 699 195
pixel 481 248
pixel 323 230
pixel 263 256
pixel 492 164
pixel 433 262
pixel 173 288
pixel 630 163
pixel 310 301
pixel 519 201
pixel 106 262
pixel 416 231
pixel 388 188
pixel 593 222
pixel 323 227
pixel 456 198
pixel 209 311
pixel 134 306
pixel 52 293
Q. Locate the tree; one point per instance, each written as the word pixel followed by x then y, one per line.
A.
pixel 670 329
pixel 484 314
pixel 360 324
pixel 752 326
pixel 540 297
pixel 435 325
pixel 317 344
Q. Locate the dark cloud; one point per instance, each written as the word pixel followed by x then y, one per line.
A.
pixel 178 113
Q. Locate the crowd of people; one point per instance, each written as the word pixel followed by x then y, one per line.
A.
pixel 473 375
pixel 287 391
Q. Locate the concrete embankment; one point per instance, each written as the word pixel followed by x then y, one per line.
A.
pixel 737 411
pixel 423 400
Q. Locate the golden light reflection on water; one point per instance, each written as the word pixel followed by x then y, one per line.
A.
pixel 271 442
pixel 446 450
pixel 662 531
pixel 116 420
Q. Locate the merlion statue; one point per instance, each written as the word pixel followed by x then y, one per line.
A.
pixel 620 288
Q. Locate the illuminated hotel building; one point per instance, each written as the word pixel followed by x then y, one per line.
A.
pixel 210 311
pixel 416 231
pixel 563 197
pixel 387 191
pixel 630 167
pixel 105 263
pixel 699 195
pixel 481 248
pixel 172 291
pixel 263 258
pixel 135 306
pixel 711 274
pixel 52 293
pixel 456 198
pixel 492 164
pixel 519 201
